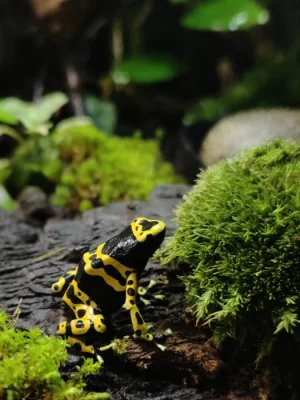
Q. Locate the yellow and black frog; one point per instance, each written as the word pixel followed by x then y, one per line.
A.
pixel 106 279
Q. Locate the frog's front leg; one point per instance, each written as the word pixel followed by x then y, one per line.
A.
pixel 64 281
pixel 138 324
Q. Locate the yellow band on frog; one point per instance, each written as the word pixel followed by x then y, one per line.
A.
pixel 138 230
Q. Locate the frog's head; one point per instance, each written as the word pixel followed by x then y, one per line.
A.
pixel 137 243
pixel 148 230
pixel 148 234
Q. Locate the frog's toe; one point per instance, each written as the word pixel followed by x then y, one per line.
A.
pixel 146 336
pixel 58 286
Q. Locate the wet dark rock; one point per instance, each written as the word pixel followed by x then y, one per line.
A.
pixel 34 204
pixel 33 257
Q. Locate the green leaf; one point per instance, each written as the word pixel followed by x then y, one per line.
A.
pixel 7 130
pixel 49 105
pixel 225 15
pixel 14 106
pixel 35 117
pixel 7 117
pixel 146 69
pixel 6 202
pixel 73 122
pixel 5 169
pixel 104 113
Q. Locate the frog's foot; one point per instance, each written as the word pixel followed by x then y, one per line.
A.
pixel 139 326
pixel 63 281
pixel 83 348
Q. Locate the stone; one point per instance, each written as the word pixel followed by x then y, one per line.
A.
pixel 237 132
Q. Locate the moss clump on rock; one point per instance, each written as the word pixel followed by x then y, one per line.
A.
pixel 29 367
pixel 239 229
pixel 98 168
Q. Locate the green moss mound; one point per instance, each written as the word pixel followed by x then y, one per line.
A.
pixel 29 367
pixel 239 229
pixel 99 169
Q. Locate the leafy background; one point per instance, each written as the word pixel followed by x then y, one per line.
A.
pixel 144 66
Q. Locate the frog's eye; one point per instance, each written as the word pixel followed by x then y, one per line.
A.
pixel 147 225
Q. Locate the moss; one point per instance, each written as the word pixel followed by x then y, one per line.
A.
pixel 239 231
pixel 99 169
pixel 87 167
pixel 29 366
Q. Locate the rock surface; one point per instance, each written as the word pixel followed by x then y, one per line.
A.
pixel 33 257
pixel 233 134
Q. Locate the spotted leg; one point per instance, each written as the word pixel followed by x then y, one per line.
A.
pixel 138 324
pixel 88 318
pixel 64 281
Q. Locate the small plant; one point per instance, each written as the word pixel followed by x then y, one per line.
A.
pixel 27 123
pixel 223 15
pixel 34 117
pixel 84 166
pixel 29 367
pixel 239 231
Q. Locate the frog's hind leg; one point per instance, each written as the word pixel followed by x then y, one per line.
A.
pixel 89 318
pixel 81 326
pixel 64 281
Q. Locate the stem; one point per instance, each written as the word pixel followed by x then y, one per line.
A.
pixel 117 41
pixel 38 86
pixel 74 84
pixel 135 33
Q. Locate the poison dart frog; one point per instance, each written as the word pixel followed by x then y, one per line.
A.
pixel 106 279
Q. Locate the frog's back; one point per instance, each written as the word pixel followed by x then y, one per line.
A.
pixel 100 281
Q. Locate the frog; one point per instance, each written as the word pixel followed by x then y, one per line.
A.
pixel 105 280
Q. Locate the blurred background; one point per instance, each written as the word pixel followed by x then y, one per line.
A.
pixel 141 81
